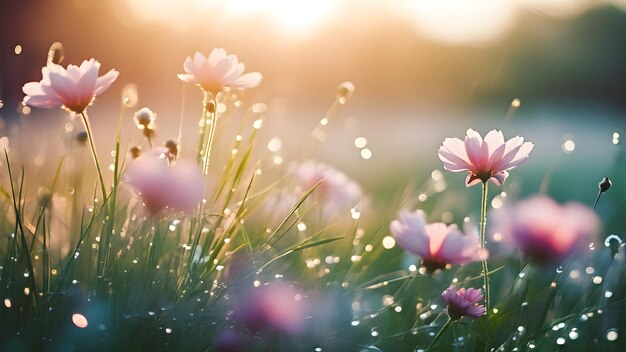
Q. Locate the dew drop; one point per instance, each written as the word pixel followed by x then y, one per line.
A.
pixel 559 269
pixel 612 335
pixel 560 341
pixel 79 320
pixel 389 242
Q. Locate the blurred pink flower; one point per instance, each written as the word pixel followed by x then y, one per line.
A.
pixel 463 302
pixel 159 184
pixel 545 231
pixel 277 306
pixel 485 160
pixel 73 88
pixel 338 192
pixel 437 244
pixel 217 72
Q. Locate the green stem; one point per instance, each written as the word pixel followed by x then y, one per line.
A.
pixel 439 334
pixel 94 153
pixel 209 144
pixel 483 240
pixel 203 119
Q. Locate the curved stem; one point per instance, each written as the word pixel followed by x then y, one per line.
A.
pixel 94 153
pixel 439 334
pixel 483 241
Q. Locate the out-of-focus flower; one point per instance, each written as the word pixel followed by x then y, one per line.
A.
pixel 229 340
pixel 437 244
pixel 159 184
pixel 338 192
pixel 274 307
pixel 485 160
pixel 217 72
pixel 73 88
pixel 463 302
pixel 545 231
pixel 144 118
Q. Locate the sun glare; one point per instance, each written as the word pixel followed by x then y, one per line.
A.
pixel 295 15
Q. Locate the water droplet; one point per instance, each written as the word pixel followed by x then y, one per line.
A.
pixel 366 153
pixel 360 142
pixel 560 341
pixel 568 145
pixel 559 269
pixel 374 332
pixel 79 320
pixel 274 144
pixel 389 242
pixel 7 303
pixel 168 330
pixel 573 335
pixel 612 335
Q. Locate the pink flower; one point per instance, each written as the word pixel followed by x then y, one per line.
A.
pixel 437 244
pixel 161 185
pixel 73 88
pixel 485 160
pixel 463 302
pixel 338 192
pixel 217 72
pixel 545 231
pixel 277 306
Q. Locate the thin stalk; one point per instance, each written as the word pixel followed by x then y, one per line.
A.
pixel 597 199
pixel 209 144
pixel 439 334
pixel 203 119
pixel 94 153
pixel 483 223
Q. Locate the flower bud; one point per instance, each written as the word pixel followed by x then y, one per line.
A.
pixel 605 184
pixel 172 149
pixel 81 137
pixel 56 53
pixel 614 242
pixel 144 119
pixel 135 152
pixel 44 196
pixel 345 90
pixel 210 106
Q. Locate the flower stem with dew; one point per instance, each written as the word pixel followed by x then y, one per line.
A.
pixel 94 153
pixel 483 222
pixel 202 124
pixel 209 144
pixel 439 334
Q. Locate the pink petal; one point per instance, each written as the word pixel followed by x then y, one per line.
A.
pixel 248 80
pixel 104 82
